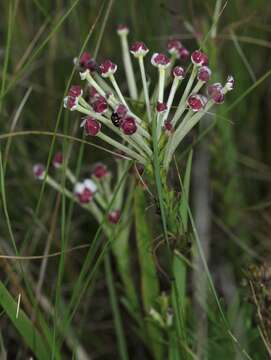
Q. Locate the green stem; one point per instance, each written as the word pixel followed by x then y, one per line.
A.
pixel 120 335
pixel 145 87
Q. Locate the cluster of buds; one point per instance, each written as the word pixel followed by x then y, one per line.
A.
pixel 93 193
pixel 105 106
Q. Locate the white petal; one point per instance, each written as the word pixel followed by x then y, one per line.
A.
pixel 90 184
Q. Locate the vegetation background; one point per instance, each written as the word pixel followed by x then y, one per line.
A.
pixel 231 167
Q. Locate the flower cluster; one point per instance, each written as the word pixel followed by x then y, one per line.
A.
pixel 105 106
pixel 93 193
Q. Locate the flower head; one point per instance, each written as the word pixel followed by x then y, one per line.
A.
pixel 108 68
pixel 183 54
pixel 198 58
pixel 196 102
pixel 91 126
pixel 178 72
pixel 114 216
pixel 121 110
pixel 139 49
pixel 39 171
pixel 161 107
pixel 128 125
pixel 168 127
pixel 174 46
pixel 204 73
pixel 58 160
pixel 215 91
pixel 160 60
pixel 93 93
pixel 71 101
pixel 99 171
pixel 85 191
pixel 86 61
pixel 100 105
pixel 122 29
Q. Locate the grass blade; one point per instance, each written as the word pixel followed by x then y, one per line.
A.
pixel 24 325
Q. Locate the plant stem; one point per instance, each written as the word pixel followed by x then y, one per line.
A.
pixel 128 67
pixel 122 346
pixel 181 107
pixel 118 91
pixel 145 87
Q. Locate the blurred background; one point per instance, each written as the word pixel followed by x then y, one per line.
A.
pixel 231 195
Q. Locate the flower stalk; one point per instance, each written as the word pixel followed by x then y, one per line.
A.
pixel 123 34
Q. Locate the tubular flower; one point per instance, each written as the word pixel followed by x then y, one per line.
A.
pixel 71 101
pixel 85 191
pixel 139 49
pixel 196 102
pixel 161 107
pixel 128 125
pixel 167 116
pixel 215 91
pixel 86 61
pixel 160 60
pixel 100 171
pixel 174 46
pixel 184 54
pixel 204 73
pixel 108 68
pixel 91 126
pixel 39 171
pixel 178 72
pixel 198 58
pixel 58 160
pixel 114 216
pixel 122 29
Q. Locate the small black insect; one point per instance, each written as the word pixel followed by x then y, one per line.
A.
pixel 115 118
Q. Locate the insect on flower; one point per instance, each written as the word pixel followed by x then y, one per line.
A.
pixel 116 119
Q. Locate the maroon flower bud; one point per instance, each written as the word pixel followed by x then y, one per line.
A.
pixel 161 107
pixel 215 91
pixel 121 110
pixel 85 196
pixel 173 47
pixel 204 73
pixel 58 160
pixel 168 126
pixel 85 191
pixel 100 106
pixel 114 216
pixel 184 54
pixel 108 68
pixel 91 126
pixel 75 91
pixel 122 29
pixel 139 49
pixel 160 60
pixel 87 62
pixel 199 58
pixel 93 92
pixel 99 171
pixel 71 100
pixel 39 171
pixel 196 102
pixel 128 125
pixel 178 72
